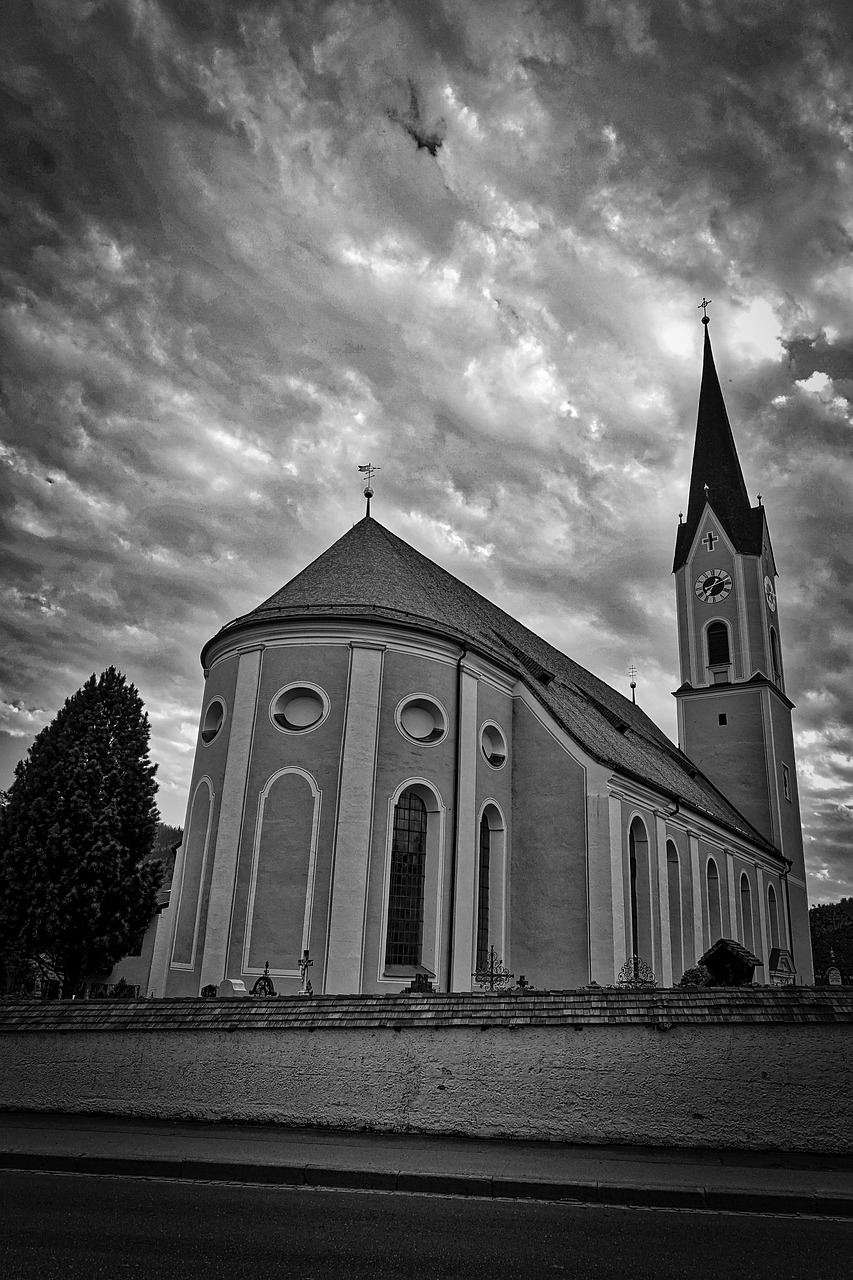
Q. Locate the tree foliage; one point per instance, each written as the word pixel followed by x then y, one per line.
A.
pixel 831 926
pixel 76 833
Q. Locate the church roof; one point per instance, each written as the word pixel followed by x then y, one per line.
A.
pixel 371 573
pixel 717 466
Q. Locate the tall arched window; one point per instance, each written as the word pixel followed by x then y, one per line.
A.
pixel 718 645
pixel 746 912
pixel 483 888
pixel 776 657
pixel 673 881
pixel 773 916
pixel 641 898
pixel 715 915
pixel 406 890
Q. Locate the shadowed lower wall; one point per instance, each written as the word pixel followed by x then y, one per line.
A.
pixel 758 1069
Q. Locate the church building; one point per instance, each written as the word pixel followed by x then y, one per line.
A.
pixel 396 776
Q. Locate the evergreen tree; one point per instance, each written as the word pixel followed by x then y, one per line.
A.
pixel 76 879
pixel 832 934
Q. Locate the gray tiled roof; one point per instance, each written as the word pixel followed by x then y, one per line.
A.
pixel 599 1007
pixel 371 573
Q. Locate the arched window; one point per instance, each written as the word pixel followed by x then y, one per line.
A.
pixel 641 899
pixel 406 889
pixel 746 912
pixel 673 881
pixel 483 887
pixel 715 915
pixel 718 645
pixel 776 657
pixel 773 916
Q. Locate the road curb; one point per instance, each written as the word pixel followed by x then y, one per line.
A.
pixel 605 1193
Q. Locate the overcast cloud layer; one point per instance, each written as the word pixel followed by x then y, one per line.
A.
pixel 248 246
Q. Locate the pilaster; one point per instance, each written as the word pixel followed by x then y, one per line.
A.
pixel 735 930
pixel 665 970
pixel 617 886
pixel 354 824
pixel 466 837
pixel 762 947
pixel 696 887
pixel 227 847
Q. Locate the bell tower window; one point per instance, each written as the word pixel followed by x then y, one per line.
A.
pixel 719 654
pixel 776 658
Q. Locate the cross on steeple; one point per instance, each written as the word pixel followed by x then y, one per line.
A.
pixel 710 540
pixel 703 307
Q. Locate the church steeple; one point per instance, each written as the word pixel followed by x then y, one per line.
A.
pixel 734 717
pixel 716 477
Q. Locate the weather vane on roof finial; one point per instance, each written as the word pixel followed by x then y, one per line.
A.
pixel 703 306
pixel 368 471
pixel 632 672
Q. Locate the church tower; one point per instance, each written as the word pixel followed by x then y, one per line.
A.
pixel 734 715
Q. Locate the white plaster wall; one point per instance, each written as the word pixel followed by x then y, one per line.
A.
pixel 736 1086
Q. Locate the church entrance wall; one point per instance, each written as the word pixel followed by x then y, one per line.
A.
pixel 733 1068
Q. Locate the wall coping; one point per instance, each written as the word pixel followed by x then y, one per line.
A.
pixel 597 1008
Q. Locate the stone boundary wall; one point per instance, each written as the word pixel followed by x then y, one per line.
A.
pixel 752 1068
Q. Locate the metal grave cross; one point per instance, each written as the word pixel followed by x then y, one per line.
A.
pixel 710 540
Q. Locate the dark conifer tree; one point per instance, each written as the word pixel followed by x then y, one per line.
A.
pixel 76 833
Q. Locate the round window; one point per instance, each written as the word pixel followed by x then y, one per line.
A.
pixel 493 745
pixel 212 723
pixel 422 720
pixel 299 707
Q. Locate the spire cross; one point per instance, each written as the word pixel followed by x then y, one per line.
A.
pixel 703 307
pixel 368 470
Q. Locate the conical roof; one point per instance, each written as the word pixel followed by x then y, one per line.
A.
pixel 369 573
pixel 717 466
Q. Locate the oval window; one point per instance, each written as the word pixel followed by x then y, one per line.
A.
pixel 422 720
pixel 212 722
pixel 493 745
pixel 298 708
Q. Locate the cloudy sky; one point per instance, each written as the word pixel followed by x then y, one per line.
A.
pixel 248 246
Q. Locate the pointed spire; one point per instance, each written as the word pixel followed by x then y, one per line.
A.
pixel 716 477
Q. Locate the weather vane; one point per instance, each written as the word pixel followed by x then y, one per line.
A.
pixel 368 470
pixel 632 672
pixel 703 307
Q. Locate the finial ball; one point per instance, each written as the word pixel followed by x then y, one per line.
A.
pixel 368 493
pixel 706 319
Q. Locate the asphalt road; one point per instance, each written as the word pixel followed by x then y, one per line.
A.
pixel 76 1227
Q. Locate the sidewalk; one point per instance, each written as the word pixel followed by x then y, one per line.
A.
pixel 743 1181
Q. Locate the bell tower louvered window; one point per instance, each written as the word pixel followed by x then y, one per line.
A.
pixel 406 889
pixel 718 645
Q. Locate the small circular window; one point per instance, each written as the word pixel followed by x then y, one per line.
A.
pixel 213 718
pixel 422 720
pixel 299 707
pixel 493 745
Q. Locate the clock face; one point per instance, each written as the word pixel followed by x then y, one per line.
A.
pixel 770 594
pixel 713 584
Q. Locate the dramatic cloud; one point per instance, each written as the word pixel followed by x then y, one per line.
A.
pixel 248 246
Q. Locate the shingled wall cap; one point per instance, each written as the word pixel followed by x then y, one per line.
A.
pixel 370 573
pixel 716 464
